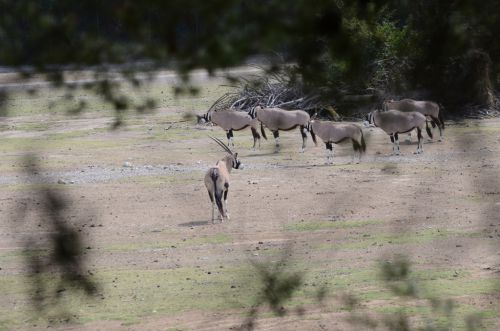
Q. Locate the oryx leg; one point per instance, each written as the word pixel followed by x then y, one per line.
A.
pixel 213 205
pixel 393 143
pixel 420 148
pixel 353 156
pixel 304 137
pixel 396 140
pixel 276 135
pixel 230 138
pixel 439 125
pixel 329 153
pixel 256 137
pixel 225 202
pixel 408 139
pixel 228 135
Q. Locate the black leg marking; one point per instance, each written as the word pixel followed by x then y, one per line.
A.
pixel 304 137
pixel 439 125
pixel 256 136
pixel 276 135
pixel 228 134
pixel 329 152
pixel 396 143
pixel 392 138
pixel 303 132
pixel 420 137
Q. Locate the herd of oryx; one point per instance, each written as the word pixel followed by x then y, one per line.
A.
pixel 396 117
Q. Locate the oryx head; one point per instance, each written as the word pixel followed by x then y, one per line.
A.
pixel 236 164
pixel 368 119
pixel 253 111
pixel 385 104
pixel 205 118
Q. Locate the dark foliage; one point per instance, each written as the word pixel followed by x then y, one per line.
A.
pixel 64 263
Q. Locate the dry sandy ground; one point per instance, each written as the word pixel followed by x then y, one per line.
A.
pixel 162 265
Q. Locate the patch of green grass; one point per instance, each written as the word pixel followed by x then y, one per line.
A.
pixel 174 134
pixel 423 312
pixel 215 239
pixel 380 239
pixel 481 198
pixel 476 129
pixel 55 101
pixel 132 294
pixel 324 225
pixel 161 180
pixel 34 187
pixel 18 254
pixel 458 286
pixel 32 126
pixel 74 140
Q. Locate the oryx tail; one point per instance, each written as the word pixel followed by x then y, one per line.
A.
pixel 441 120
pixel 263 131
pixel 214 174
pixel 363 143
pixel 313 135
pixel 429 132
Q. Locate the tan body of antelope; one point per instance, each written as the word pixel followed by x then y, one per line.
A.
pixel 232 120
pixel 217 181
pixel 428 108
pixel 334 133
pixel 394 122
pixel 277 119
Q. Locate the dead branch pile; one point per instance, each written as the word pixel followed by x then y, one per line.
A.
pixel 271 90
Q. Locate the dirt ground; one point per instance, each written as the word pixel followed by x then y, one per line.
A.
pixel 137 197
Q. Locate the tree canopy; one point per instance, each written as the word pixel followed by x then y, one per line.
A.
pixel 394 46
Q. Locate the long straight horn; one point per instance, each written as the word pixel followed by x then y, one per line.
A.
pixel 221 144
